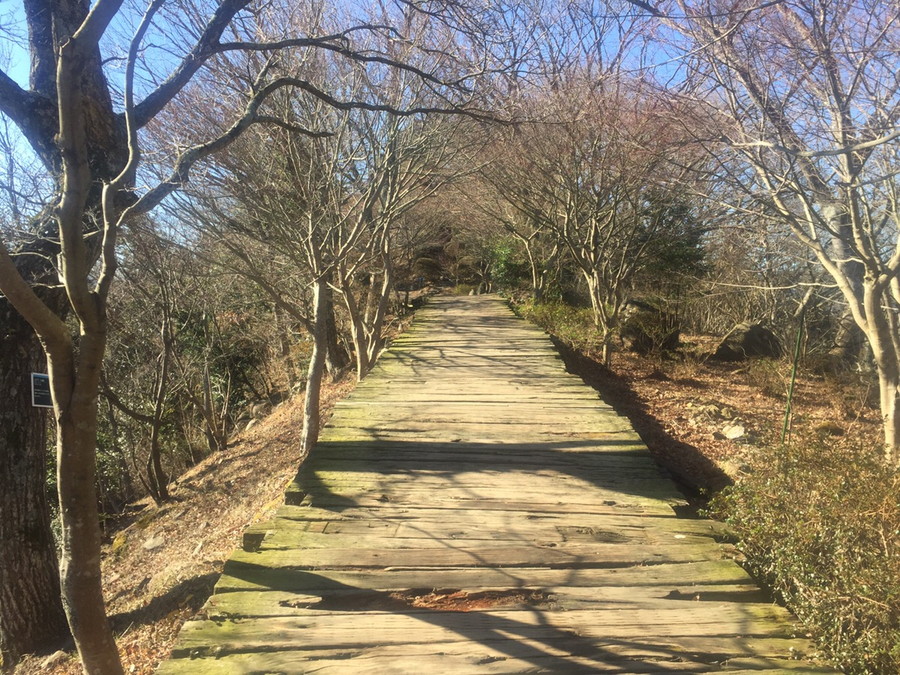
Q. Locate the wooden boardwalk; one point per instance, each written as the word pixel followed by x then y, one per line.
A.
pixel 473 508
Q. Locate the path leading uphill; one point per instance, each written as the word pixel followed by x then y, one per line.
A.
pixel 473 508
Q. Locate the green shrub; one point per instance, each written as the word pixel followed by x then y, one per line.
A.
pixel 820 521
pixel 572 325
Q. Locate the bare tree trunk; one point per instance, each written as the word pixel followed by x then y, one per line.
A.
pixel 336 357
pixel 884 350
pixel 889 392
pixel 537 272
pixel 358 334
pixel 367 324
pixel 75 382
pixel 156 477
pixel 849 338
pixel 601 321
pixel 376 344
pixel 125 486
pixel 31 612
pixel 357 330
pixel 848 343
pixel 537 281
pixel 284 344
pixel 311 407
pixel 215 429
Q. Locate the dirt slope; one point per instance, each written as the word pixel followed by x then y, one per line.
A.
pixel 161 565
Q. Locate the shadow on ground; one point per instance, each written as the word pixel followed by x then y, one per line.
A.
pixel 694 471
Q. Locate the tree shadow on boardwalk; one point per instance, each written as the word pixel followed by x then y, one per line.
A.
pixel 481 637
pixel 617 467
pixel 376 476
pixel 684 461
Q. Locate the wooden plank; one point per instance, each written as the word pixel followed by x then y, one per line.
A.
pixel 602 517
pixel 244 575
pixel 381 491
pixel 597 545
pixel 592 464
pixel 558 598
pixel 547 504
pixel 393 615
pixel 684 632
pixel 618 452
pixel 325 528
pixel 635 486
pixel 469 658
pixel 571 556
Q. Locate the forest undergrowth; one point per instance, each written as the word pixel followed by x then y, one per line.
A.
pixel 817 517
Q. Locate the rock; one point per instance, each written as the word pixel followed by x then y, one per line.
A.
pixel 733 431
pixel 154 542
pixel 646 328
pixel 55 659
pixel 734 469
pixel 748 340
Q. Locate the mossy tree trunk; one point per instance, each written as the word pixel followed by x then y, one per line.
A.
pixel 31 612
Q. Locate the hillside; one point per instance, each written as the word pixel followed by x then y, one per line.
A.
pixel 160 564
pixel 706 421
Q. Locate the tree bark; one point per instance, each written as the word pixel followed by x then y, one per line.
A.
pixel 881 337
pixel 849 337
pixel 336 357
pixel 75 381
pixel 311 407
pixel 284 343
pixel 156 477
pixel 538 277
pixel 24 522
pixel 601 320
pixel 889 391
pixel 31 612
pixel 849 341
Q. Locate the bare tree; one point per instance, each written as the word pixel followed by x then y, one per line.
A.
pixel 600 176
pixel 806 96
pixel 503 196
pixel 151 282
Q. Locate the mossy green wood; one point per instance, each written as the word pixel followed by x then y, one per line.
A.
pixel 469 462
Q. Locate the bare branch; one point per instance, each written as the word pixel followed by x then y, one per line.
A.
pixel 295 128
pixel 330 43
pixel 325 97
pixel 34 114
pixel 96 23
pixel 22 296
pixel 190 64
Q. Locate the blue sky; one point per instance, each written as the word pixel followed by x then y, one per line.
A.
pixel 12 21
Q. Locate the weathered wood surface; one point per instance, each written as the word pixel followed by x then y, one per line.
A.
pixel 473 508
